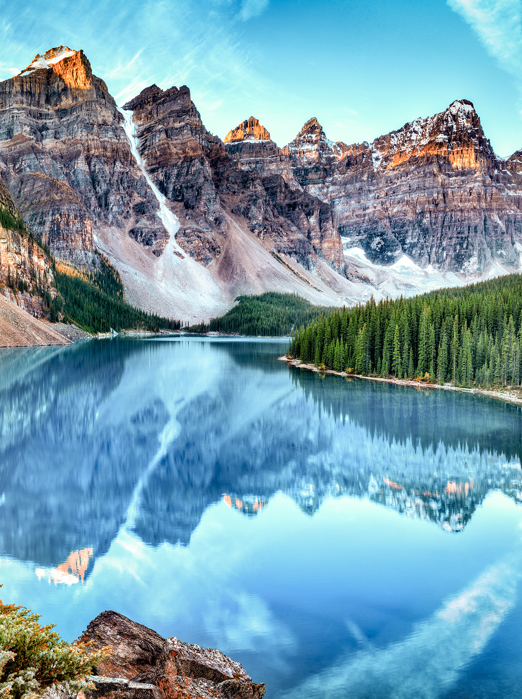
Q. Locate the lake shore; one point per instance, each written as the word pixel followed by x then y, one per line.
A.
pixel 506 395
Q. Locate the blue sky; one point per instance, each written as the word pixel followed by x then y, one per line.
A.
pixel 362 68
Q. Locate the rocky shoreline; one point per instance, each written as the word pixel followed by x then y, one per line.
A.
pixel 508 396
pixel 143 665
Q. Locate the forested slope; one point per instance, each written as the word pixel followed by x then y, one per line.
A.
pixel 266 315
pixel 467 336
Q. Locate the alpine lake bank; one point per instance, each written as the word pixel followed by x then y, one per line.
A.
pixel 509 394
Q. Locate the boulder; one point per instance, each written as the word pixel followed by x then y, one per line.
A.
pixel 143 665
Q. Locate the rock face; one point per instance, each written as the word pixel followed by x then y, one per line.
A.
pixel 433 190
pixel 250 130
pixel 25 269
pixel 311 146
pixel 249 144
pixel 195 172
pixel 66 160
pixel 175 669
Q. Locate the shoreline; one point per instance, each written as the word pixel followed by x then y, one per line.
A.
pixel 498 395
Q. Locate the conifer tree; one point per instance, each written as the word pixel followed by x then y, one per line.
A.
pixel 397 353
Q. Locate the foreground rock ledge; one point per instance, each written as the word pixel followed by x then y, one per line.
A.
pixel 143 665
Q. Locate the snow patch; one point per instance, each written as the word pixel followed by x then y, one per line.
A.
pixel 404 277
pixel 49 58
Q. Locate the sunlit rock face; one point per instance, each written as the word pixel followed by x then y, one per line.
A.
pixel 22 259
pixel 434 190
pixel 65 157
pixel 250 130
pixel 208 185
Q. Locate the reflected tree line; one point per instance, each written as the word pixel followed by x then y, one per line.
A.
pixel 73 446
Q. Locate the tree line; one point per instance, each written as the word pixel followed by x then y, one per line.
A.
pixel 270 314
pixel 470 336
pixel 95 303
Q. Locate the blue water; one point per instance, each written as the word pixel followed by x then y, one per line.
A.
pixel 339 538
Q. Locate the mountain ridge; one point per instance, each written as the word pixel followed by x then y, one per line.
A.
pixel 191 221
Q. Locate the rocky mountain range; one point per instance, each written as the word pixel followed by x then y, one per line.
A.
pixel 190 221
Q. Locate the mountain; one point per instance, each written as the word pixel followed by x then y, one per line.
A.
pixel 191 222
pixel 311 146
pixel 66 159
pixel 433 191
pixel 234 222
pixel 186 228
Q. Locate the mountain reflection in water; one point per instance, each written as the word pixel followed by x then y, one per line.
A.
pixel 131 443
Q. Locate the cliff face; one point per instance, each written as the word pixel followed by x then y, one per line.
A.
pixel 65 158
pixel 196 172
pixel 25 269
pixel 433 190
pixel 191 222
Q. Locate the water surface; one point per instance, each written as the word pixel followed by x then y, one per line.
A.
pixel 339 538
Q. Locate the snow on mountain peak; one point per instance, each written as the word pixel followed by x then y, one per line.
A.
pixel 48 59
pixel 311 143
pixel 464 106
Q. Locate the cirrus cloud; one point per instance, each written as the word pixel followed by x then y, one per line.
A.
pixel 498 25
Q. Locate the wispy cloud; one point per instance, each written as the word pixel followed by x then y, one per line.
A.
pixel 498 25
pixel 427 663
pixel 252 8
pixel 133 44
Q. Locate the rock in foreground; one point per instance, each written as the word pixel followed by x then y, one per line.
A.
pixel 170 668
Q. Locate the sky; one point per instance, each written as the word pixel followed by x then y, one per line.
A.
pixel 362 68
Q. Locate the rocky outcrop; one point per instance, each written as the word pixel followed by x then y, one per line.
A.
pixel 311 146
pixel 433 190
pixel 66 160
pixel 176 148
pixel 174 670
pixel 25 270
pixel 250 130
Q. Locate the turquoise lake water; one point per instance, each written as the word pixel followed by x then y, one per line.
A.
pixel 339 538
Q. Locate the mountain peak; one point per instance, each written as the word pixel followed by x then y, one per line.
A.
pixel 71 66
pixel 48 59
pixel 461 106
pixel 455 135
pixel 312 127
pixel 250 130
pixel 311 144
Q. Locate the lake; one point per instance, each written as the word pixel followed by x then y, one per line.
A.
pixel 339 538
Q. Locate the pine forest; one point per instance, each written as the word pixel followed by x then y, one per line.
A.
pixel 468 336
